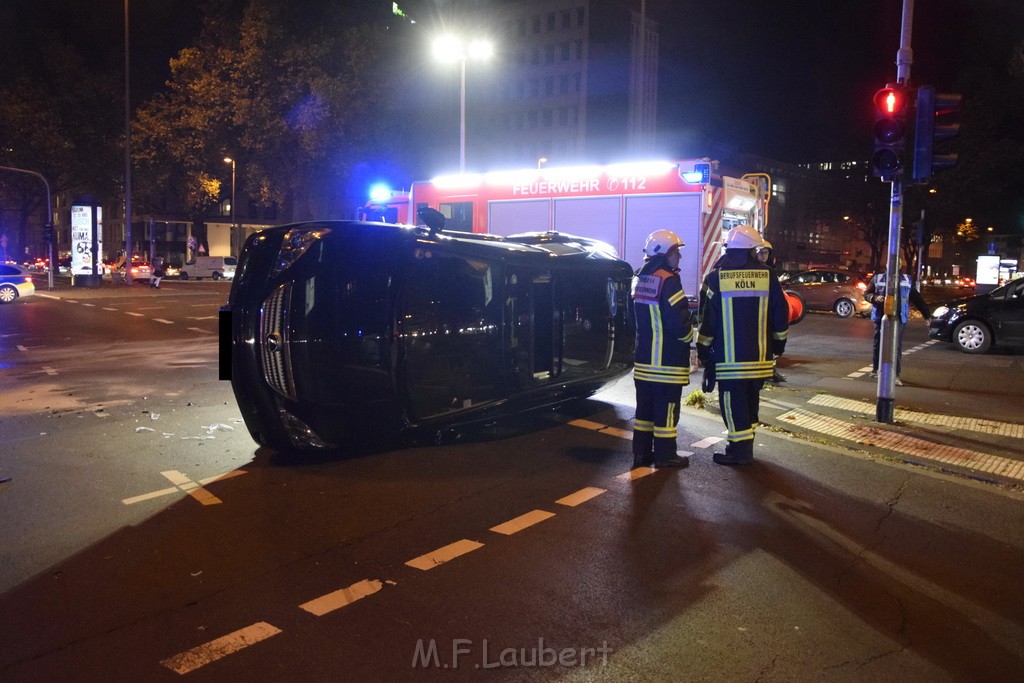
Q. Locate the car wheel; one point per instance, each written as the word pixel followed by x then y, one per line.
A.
pixel 8 294
pixel 183 276
pixel 844 308
pixel 216 275
pixel 972 336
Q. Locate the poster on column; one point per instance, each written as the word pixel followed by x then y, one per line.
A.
pixel 81 239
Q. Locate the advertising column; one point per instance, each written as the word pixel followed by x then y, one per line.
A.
pixel 86 244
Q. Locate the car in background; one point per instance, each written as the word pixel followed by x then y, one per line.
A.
pixel 140 272
pixel 15 282
pixel 830 289
pixel 976 324
pixel 172 270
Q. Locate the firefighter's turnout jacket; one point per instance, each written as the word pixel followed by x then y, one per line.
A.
pixel 745 319
pixel 663 329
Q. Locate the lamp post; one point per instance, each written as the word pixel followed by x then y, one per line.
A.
pixel 449 48
pixel 229 160
pixel 127 160
pixel 541 162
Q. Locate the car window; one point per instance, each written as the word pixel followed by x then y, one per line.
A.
pixel 842 277
pixel 8 270
pixel 805 278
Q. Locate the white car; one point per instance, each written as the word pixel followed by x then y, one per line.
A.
pixel 15 282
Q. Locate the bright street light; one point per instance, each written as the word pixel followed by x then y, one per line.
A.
pixel 541 162
pixel 448 48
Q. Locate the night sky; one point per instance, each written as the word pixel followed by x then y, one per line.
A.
pixel 790 79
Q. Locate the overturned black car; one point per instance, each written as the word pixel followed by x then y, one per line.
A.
pixel 343 329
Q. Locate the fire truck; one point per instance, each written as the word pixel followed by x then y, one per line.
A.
pixel 617 204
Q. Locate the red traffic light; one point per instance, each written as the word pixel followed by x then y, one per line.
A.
pixel 890 101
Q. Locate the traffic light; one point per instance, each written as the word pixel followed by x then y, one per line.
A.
pixel 931 105
pixel 891 114
pixel 48 233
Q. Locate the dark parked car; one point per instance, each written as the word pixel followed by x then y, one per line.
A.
pixel 829 290
pixel 342 329
pixel 977 323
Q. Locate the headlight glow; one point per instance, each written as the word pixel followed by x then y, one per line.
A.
pixel 940 312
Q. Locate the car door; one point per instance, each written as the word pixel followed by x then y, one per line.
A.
pixel 810 288
pixel 1008 316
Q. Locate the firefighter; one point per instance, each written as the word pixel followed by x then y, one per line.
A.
pixel 766 255
pixel 743 328
pixel 662 360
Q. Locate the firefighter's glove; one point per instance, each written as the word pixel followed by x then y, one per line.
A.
pixel 708 383
pixel 778 346
pixel 704 355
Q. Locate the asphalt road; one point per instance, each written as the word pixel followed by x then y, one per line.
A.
pixel 511 555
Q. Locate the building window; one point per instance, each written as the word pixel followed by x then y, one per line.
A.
pixel 579 49
pixel 566 20
pixel 521 26
pixel 563 116
pixel 563 83
pixel 579 80
pixel 547 117
pixel 531 118
pixel 549 86
pixel 551 21
pixel 534 87
pixel 564 51
pixel 536 24
pixel 579 16
pixel 549 54
pixel 535 56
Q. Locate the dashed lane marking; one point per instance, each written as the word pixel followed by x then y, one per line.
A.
pixel 196 329
pixel 110 309
pixel 587 424
pixel 581 496
pixel 22 348
pixel 137 315
pixel 165 322
pixel 49 296
pixel 973 424
pixel 522 522
pixel 635 473
pixel 907 445
pixel 706 443
pixel 89 305
pixel 341 598
pixel 203 317
pixel 445 554
pixel 221 647
pixel 48 370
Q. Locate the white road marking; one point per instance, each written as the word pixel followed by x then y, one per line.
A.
pixel 137 315
pixel 110 309
pixel 341 598
pixel 48 370
pixel 186 485
pixel 621 433
pixel 150 308
pixel 522 522
pixel 204 317
pixel 22 348
pixel 587 424
pixel 635 473
pixel 219 648
pixel 581 496
pixel 445 554
pixel 705 443
pixel 89 305
pixel 196 329
pixel 48 296
pixel 165 322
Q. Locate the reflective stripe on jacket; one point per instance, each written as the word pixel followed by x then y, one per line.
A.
pixel 745 319
pixel 663 328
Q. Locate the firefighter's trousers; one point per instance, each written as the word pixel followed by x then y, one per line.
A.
pixel 657 415
pixel 739 400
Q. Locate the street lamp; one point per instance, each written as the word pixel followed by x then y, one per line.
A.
pixel 448 48
pixel 541 162
pixel 229 160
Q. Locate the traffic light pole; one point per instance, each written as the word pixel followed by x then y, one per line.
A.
pixel 888 346
pixel 48 231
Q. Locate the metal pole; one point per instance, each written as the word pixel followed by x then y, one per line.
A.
pixel 127 160
pixel 234 230
pixel 462 119
pixel 885 405
pixel 49 212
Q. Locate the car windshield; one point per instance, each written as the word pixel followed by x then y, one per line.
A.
pixel 1011 290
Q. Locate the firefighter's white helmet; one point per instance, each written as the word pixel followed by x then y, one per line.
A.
pixel 743 237
pixel 660 241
